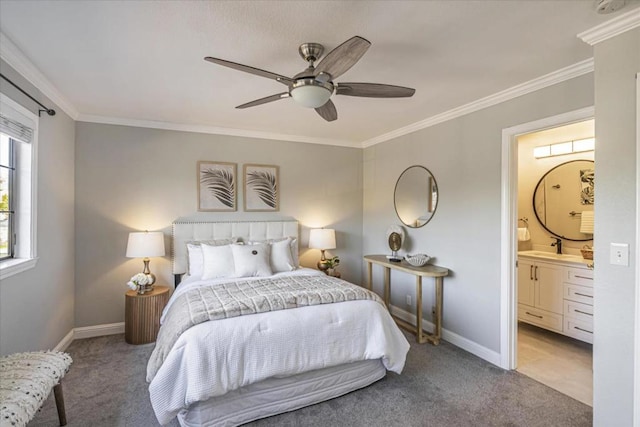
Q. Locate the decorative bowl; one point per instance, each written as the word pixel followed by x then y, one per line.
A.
pixel 417 260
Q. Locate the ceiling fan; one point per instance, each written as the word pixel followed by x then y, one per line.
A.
pixel 313 87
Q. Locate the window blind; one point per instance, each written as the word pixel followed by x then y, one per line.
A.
pixel 15 129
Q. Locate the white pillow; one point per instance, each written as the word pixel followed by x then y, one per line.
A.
pixel 281 259
pixel 252 260
pixel 293 243
pixel 218 261
pixel 195 259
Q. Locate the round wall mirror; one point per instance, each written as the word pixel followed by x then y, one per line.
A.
pixel 416 196
pixel 562 197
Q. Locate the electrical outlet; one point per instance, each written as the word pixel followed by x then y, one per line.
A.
pixel 408 299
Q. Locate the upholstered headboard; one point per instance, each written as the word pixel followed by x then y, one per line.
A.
pixel 184 231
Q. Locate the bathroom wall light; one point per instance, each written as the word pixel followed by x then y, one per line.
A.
pixel 561 148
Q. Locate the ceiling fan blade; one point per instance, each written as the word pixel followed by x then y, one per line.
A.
pixel 340 59
pixel 328 111
pixel 251 70
pixel 374 90
pixel 265 100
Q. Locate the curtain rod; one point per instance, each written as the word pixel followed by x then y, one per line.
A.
pixel 49 111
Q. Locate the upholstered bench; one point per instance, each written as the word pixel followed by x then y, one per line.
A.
pixel 26 379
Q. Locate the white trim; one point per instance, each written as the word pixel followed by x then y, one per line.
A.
pixel 453 338
pixel 636 381
pixel 611 28
pixel 10 267
pixel 211 130
pixel 18 60
pixel 98 330
pixel 26 255
pixel 567 73
pixel 65 342
pixel 508 242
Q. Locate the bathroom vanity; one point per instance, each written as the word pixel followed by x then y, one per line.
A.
pixel 555 292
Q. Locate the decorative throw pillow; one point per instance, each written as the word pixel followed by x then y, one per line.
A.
pixel 252 260
pixel 281 259
pixel 293 243
pixel 195 259
pixel 218 261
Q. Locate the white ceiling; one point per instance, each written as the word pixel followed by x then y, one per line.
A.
pixel 143 60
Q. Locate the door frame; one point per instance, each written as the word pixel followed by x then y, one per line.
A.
pixel 509 225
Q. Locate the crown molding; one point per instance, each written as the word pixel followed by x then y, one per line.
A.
pixel 13 56
pixel 567 73
pixel 611 28
pixel 213 130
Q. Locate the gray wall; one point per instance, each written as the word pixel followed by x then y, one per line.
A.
pixel 464 155
pixel 36 306
pixel 130 179
pixel 616 62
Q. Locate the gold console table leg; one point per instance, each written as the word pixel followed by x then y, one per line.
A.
pixel 387 287
pixel 421 337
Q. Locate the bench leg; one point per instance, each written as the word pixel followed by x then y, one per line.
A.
pixel 57 392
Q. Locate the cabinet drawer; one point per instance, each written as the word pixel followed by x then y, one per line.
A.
pixel 578 293
pixel 578 311
pixel 578 329
pixel 579 276
pixel 540 318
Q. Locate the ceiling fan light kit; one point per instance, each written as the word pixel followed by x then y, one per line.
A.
pixel 311 93
pixel 314 86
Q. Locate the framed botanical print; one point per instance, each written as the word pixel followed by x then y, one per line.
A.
pixel 217 189
pixel 261 188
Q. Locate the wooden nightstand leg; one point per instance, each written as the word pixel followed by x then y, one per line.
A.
pixel 370 276
pixel 387 287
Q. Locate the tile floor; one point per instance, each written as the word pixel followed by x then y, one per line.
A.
pixel 560 362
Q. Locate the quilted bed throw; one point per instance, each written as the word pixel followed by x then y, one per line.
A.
pixel 242 297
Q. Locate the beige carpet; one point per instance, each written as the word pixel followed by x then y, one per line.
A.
pixel 440 386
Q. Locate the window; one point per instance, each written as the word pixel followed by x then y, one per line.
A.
pixel 7 171
pixel 18 131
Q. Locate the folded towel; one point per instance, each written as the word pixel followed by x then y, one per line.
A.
pixel 586 222
pixel 523 234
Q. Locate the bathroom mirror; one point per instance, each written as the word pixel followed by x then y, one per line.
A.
pixel 562 196
pixel 416 196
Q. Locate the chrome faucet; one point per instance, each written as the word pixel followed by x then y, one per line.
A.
pixel 558 245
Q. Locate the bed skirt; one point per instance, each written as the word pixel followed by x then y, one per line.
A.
pixel 278 395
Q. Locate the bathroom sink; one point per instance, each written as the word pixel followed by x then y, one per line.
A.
pixel 551 255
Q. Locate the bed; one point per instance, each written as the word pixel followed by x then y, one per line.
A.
pixel 238 368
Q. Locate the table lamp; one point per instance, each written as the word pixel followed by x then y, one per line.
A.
pixel 145 244
pixel 322 238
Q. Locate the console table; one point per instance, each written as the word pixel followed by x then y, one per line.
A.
pixel 426 271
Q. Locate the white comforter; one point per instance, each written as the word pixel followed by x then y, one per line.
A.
pixel 215 357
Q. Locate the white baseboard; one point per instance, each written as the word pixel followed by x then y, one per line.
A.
pixel 455 339
pixel 98 330
pixel 89 332
pixel 64 343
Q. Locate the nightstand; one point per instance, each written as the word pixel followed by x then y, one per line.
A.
pixel 142 315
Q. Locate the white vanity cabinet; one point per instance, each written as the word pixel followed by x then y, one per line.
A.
pixel 540 294
pixel 556 294
pixel 578 303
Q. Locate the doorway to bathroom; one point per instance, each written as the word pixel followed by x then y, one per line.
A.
pixel 547 232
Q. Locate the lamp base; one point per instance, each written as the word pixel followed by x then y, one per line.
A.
pixel 150 277
pixel 322 264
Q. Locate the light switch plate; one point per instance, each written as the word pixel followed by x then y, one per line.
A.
pixel 619 254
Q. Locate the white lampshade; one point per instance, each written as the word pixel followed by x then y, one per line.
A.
pixel 322 238
pixel 145 244
pixel 311 96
